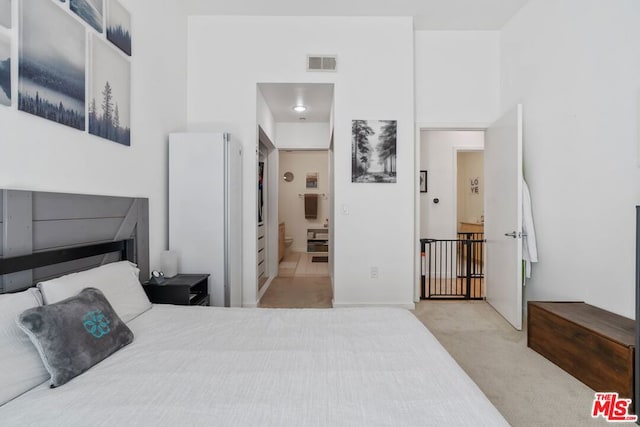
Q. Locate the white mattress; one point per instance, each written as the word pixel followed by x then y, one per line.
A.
pixel 191 366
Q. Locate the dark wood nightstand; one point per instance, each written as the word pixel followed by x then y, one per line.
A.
pixel 181 289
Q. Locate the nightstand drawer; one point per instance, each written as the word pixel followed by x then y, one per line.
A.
pixel 201 300
pixel 182 289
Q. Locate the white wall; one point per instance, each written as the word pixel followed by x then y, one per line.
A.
pixel 311 136
pixel 438 158
pixel 290 206
pixel 265 117
pixel 38 154
pixel 575 65
pixel 222 74
pixel 457 77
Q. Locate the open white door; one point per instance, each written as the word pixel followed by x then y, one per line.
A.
pixel 503 215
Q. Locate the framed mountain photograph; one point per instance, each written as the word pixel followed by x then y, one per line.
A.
pixel 5 71
pixel 91 11
pixel 51 64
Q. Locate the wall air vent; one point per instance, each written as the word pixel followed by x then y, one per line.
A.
pixel 322 62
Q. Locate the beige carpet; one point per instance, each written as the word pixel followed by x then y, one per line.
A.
pixel 298 292
pixel 526 388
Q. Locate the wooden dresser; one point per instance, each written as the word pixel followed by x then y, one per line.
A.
pixel 471 227
pixel 592 344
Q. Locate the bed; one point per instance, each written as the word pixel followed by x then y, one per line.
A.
pixel 269 367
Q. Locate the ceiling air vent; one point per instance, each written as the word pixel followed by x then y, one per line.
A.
pixel 321 63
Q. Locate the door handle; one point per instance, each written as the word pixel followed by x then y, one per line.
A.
pixel 512 234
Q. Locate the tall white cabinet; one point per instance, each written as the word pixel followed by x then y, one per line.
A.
pixel 205 210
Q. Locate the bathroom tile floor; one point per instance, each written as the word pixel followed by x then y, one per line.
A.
pixel 297 264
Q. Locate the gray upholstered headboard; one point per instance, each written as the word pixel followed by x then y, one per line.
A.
pixel 36 221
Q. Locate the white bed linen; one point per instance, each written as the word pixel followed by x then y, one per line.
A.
pixel 192 366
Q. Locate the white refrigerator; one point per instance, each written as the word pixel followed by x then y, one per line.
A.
pixel 205 211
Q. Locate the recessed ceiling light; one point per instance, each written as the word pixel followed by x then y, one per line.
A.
pixel 299 108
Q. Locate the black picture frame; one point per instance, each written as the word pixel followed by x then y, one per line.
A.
pixel 373 151
pixel 423 181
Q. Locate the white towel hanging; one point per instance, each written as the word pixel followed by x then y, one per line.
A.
pixel 529 246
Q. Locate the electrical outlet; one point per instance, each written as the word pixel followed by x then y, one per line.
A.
pixel 374 272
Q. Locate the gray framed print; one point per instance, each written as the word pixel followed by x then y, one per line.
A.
pixel 91 11
pixel 51 64
pixel 5 71
pixel 110 93
pixel 373 151
pixel 119 26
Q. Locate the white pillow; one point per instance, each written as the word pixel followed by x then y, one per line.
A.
pixel 21 368
pixel 118 282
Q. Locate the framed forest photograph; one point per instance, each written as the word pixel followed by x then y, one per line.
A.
pixel 51 65
pixel 373 151
pixel 110 94
pixel 91 11
pixel 119 26
pixel 5 71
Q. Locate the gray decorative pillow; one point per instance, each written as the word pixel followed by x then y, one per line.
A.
pixel 74 334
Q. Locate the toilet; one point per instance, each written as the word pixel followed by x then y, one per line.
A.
pixel 288 241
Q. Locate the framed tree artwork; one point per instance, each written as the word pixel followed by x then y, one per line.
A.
pixel 119 26
pixel 51 66
pixel 423 181
pixel 91 11
pixel 373 151
pixel 5 71
pixel 110 93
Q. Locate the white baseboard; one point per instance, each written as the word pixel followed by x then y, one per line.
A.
pixel 260 294
pixel 264 289
pixel 408 306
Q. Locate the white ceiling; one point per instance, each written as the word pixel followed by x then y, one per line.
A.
pixel 428 14
pixel 282 97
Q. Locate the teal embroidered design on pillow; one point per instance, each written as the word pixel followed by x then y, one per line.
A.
pixel 96 323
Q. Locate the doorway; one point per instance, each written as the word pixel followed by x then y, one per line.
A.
pixel 452 214
pixel 266 150
pixel 503 225
pixel 470 221
pixel 299 119
pixel 304 210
